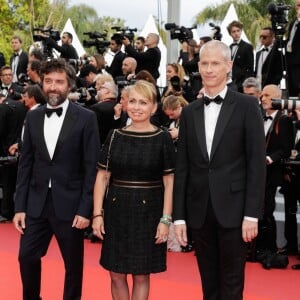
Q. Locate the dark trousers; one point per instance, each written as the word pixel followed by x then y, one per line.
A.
pixel 221 257
pixel 34 245
pixel 266 239
pixel 9 177
pixel 291 193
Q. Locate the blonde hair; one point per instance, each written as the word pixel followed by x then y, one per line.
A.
pixel 145 88
pixel 172 102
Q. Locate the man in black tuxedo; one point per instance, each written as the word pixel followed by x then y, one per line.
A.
pixel 9 88
pixel 279 142
pixel 115 68
pixel 55 181
pixel 19 59
pixel 148 60
pixel 292 54
pixel 241 55
pixel 268 62
pixel 219 177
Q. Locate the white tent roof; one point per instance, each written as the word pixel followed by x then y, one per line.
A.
pixel 231 15
pixel 149 27
pixel 76 42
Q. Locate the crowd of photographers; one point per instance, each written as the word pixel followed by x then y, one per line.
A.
pixel 104 88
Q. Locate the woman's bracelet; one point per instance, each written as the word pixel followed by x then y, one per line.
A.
pixel 166 219
pixel 99 215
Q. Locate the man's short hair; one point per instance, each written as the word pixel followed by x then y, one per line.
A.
pixel 141 38
pixel 112 87
pixel 205 39
pixel 70 36
pixel 86 70
pixel 16 37
pixel 36 92
pixel 35 65
pixel 117 37
pixel 251 82
pixel 237 24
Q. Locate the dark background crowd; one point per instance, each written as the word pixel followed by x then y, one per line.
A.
pixel 104 90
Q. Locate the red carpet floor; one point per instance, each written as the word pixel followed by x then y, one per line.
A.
pixel 180 282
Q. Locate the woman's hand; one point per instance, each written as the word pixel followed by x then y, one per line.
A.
pixel 98 227
pixel 162 233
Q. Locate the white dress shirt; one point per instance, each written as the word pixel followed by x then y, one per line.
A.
pixel 52 128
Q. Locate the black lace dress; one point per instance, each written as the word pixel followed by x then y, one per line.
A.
pixel 134 203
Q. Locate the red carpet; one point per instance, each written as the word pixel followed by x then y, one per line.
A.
pixel 181 281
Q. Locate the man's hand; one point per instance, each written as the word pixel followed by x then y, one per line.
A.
pixel 13 149
pixel 249 230
pixel 19 221
pixel 181 235
pixel 80 222
pixel 118 110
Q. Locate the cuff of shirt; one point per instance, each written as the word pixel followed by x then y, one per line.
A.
pixel 251 219
pixel 269 160
pixel 179 222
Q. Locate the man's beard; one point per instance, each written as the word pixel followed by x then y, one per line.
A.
pixel 56 99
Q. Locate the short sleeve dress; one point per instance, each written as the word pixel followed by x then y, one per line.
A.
pixel 134 203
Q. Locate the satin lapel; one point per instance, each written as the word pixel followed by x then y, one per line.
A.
pixel 225 115
pixel 67 125
pixel 198 114
pixel 39 127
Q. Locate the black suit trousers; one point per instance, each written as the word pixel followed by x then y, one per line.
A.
pixel 221 257
pixel 34 245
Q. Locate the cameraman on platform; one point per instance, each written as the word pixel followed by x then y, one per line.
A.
pixel 148 60
pixel 67 50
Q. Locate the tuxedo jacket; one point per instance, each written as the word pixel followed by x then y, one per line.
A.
pixel 105 117
pixel 23 62
pixel 72 169
pixel 279 143
pixel 148 60
pixel 233 176
pixel 115 68
pixel 272 67
pixel 243 63
pixel 293 57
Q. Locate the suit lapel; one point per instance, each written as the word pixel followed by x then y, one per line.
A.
pixel 198 114
pixel 40 132
pixel 67 125
pixel 224 116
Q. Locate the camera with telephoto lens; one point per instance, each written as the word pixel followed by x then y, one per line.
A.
pixel 181 33
pixel 124 32
pixel 175 83
pixel 78 62
pixel 97 40
pixel 23 79
pixel 279 17
pixel 122 81
pixel 289 104
pixel 84 92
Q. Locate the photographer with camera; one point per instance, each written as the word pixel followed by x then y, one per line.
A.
pixel 292 54
pixel 11 89
pixel 279 142
pixel 67 50
pixel 148 60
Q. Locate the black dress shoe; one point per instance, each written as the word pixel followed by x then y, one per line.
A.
pixel 187 248
pixel 296 267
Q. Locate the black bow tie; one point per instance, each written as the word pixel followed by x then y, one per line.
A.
pixel 50 111
pixel 234 44
pixel 266 118
pixel 16 54
pixel 265 49
pixel 218 99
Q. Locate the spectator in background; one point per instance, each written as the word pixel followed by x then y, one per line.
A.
pixel 268 61
pixel 19 59
pixel 97 60
pixel 241 55
pixel 140 44
pixel 292 54
pixel 33 72
pixel 148 60
pixel 115 68
pixel 11 89
pixel 36 54
pixel 129 65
